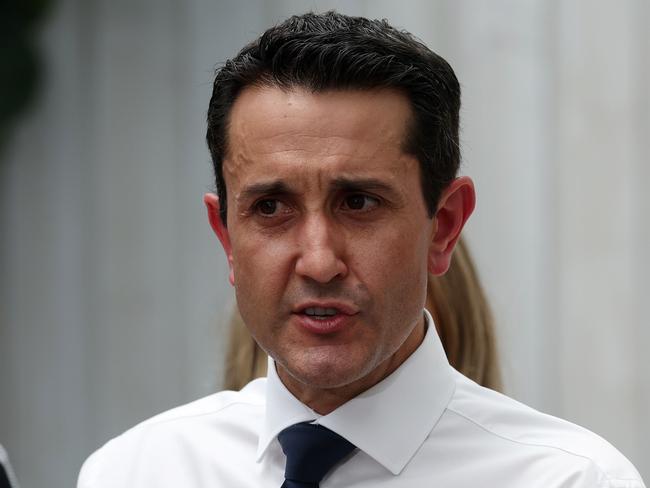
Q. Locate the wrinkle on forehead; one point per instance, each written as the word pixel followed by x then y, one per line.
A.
pixel 272 130
pixel 279 112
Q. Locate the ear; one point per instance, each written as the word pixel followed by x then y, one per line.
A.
pixel 456 204
pixel 212 204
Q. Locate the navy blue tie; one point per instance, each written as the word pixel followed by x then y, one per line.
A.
pixel 312 451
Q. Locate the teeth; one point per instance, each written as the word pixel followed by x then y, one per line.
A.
pixel 320 311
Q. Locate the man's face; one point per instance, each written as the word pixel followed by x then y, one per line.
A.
pixel 328 234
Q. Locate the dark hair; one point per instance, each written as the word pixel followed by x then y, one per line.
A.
pixel 332 51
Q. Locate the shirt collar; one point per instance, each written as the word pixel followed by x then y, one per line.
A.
pixel 389 421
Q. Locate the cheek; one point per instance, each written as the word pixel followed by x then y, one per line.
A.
pixel 395 269
pixel 260 265
pixel 387 252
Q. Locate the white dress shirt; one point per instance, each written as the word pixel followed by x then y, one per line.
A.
pixel 425 425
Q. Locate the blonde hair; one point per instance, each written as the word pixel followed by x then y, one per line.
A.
pixel 461 313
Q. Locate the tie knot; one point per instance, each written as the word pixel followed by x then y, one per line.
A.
pixel 311 450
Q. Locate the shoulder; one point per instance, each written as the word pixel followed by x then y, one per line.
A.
pixel 214 406
pixel 540 439
pixel 227 420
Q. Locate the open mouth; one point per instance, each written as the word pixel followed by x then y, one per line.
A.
pixel 325 318
pixel 320 313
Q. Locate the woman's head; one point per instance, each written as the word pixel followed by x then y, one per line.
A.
pixel 464 320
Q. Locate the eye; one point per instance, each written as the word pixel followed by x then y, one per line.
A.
pixel 269 207
pixel 360 202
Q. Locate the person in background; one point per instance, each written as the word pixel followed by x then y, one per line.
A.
pixel 460 311
pixel 7 476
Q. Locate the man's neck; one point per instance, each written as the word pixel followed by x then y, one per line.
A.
pixel 326 400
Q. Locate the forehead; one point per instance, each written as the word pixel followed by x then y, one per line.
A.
pixel 290 130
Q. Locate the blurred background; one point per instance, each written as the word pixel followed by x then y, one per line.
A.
pixel 114 296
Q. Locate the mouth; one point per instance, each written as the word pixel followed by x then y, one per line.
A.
pixel 321 313
pixel 325 318
pixel 325 309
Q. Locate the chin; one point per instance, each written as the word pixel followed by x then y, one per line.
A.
pixel 327 373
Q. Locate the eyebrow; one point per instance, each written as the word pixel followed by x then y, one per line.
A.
pixel 359 184
pixel 264 188
pixel 341 183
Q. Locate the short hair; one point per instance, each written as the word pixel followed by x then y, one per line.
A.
pixel 332 51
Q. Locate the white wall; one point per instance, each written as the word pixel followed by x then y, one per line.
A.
pixel 113 291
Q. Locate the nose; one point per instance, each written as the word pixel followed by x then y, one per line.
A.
pixel 321 251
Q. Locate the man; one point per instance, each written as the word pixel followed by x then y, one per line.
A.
pixel 335 146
